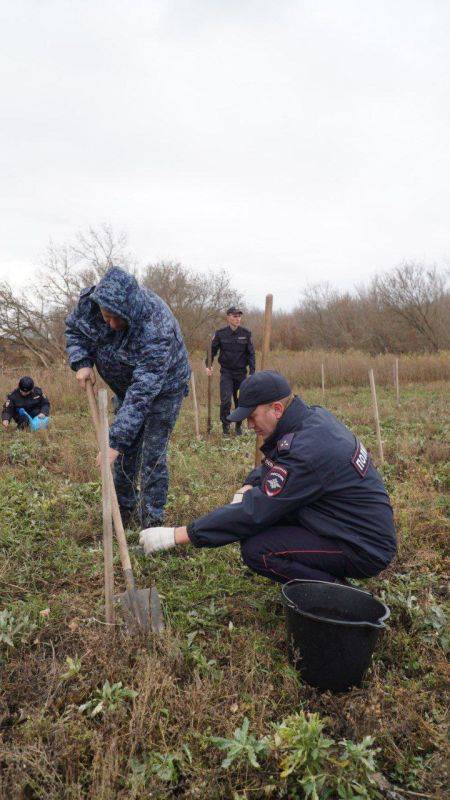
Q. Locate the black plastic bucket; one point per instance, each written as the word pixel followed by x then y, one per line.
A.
pixel 332 631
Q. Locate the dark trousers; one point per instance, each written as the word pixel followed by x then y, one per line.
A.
pixel 22 422
pixel 283 553
pixel 141 476
pixel 229 387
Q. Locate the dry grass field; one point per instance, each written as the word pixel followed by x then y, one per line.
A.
pixel 86 712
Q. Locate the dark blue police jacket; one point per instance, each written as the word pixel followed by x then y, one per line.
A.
pixel 236 349
pixel 145 360
pixel 315 474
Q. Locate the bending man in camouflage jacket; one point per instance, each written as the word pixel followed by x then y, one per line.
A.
pixel 135 342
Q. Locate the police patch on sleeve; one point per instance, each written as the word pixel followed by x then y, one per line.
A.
pixel 360 460
pixel 275 480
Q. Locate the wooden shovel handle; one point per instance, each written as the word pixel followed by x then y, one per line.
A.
pixel 117 519
pixel 107 511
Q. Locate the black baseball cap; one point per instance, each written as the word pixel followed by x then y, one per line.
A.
pixel 26 384
pixel 234 310
pixel 261 387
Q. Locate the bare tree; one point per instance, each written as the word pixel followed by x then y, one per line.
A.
pixel 60 282
pixel 67 268
pixel 405 310
pixel 29 324
pixel 417 294
pixel 97 249
pixel 198 300
pixel 34 319
pixel 313 309
pixel 328 318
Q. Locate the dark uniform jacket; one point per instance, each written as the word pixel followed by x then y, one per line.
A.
pixel 34 404
pixel 236 349
pixel 316 474
pixel 146 360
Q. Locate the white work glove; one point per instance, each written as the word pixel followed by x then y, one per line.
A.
pixel 237 497
pixel 154 539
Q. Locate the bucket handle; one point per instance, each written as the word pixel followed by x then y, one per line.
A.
pixel 289 602
pixel 378 625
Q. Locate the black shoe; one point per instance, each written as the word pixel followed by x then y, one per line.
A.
pixel 226 430
pixel 238 429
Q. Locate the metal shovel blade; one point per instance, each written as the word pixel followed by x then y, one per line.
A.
pixel 157 619
pixel 142 611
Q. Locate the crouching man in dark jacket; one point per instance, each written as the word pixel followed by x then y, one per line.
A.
pixel 29 397
pixel 135 342
pixel 316 508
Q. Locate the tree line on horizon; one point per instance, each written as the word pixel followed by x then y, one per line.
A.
pixel 404 310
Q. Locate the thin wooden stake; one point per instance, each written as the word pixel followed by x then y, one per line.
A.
pixel 267 330
pixel 194 403
pixel 107 507
pixel 208 364
pixel 376 415
pixel 264 355
pixel 323 380
pixel 397 385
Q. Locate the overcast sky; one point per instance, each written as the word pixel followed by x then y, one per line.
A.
pixel 289 142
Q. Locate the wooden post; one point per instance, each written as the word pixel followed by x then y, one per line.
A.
pixel 107 507
pixel 323 380
pixel 194 402
pixel 208 364
pixel 267 330
pixel 376 415
pixel 264 355
pixel 397 385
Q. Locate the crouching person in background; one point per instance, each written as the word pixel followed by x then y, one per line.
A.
pixel 315 509
pixel 28 397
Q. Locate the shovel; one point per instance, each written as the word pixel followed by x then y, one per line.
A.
pixel 141 607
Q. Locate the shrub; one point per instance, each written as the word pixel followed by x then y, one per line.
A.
pixel 108 698
pixel 15 628
pixel 321 767
pixel 243 746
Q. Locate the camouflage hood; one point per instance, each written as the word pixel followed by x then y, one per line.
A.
pixel 120 293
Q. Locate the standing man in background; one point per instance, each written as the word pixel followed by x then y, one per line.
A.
pixel 135 342
pixel 236 354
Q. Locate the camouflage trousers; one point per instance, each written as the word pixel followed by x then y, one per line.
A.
pixel 141 475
